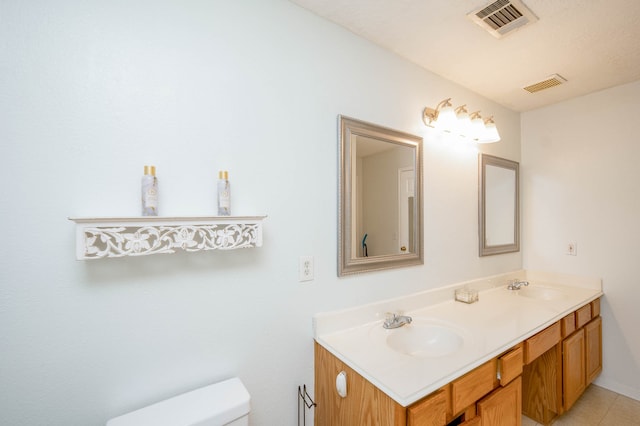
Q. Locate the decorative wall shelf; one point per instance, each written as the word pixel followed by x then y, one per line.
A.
pixel 97 238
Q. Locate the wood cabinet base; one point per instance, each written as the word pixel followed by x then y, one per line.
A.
pixel 364 404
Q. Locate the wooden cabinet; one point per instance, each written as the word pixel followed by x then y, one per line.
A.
pixel 540 377
pixel 503 407
pixel 364 404
pixel 554 380
pixel 582 353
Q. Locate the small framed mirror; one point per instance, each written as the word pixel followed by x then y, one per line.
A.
pixel 498 205
pixel 380 198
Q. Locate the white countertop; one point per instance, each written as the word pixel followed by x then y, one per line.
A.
pixel 498 321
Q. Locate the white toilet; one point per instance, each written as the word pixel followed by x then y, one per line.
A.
pixel 224 403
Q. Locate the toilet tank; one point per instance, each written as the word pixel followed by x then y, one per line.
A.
pixel 224 403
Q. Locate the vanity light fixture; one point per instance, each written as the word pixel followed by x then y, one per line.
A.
pixel 459 121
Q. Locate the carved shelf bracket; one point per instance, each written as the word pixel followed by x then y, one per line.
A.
pixel 97 238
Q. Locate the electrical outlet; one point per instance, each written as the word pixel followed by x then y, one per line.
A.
pixel 572 248
pixel 305 268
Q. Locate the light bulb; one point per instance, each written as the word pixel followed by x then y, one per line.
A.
pixel 446 118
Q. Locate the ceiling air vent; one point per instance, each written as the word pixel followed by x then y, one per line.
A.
pixel 503 16
pixel 553 80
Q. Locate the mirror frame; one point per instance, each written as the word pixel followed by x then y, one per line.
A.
pixel 349 127
pixel 490 160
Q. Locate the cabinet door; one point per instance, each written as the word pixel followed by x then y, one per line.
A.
pixel 503 407
pixel 573 368
pixel 431 411
pixel 364 404
pixel 593 336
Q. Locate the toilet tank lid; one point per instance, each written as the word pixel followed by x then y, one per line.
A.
pixel 213 405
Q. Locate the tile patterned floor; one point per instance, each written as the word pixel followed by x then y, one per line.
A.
pixel 598 407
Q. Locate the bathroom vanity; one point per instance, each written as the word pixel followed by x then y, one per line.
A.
pixel 531 351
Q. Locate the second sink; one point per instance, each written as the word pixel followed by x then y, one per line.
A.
pixel 541 293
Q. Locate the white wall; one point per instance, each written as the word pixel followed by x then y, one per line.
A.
pixel 580 183
pixel 93 90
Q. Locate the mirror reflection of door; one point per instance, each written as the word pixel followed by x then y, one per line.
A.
pixel 406 191
pixel 385 187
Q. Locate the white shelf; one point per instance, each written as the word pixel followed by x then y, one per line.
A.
pixel 97 238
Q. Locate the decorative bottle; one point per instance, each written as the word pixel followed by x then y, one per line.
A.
pixel 149 192
pixel 224 194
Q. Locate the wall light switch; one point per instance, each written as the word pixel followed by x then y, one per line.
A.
pixel 305 268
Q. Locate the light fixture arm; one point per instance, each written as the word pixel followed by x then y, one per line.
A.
pixel 474 115
pixel 462 109
pixel 429 115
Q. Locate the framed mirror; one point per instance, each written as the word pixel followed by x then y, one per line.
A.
pixel 380 198
pixel 498 205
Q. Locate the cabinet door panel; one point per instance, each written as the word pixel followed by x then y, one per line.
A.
pixel 573 368
pixel 593 336
pixel 503 407
pixel 542 387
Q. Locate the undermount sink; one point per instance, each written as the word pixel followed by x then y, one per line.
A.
pixel 541 293
pixel 425 339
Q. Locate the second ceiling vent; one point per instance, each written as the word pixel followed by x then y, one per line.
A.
pixel 503 16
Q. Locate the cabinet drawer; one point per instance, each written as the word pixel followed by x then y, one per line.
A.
pixel 472 386
pixel 583 315
pixel 432 410
pixel 510 365
pixel 595 308
pixel 568 324
pixel 540 343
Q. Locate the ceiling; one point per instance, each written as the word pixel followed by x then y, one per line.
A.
pixel 593 44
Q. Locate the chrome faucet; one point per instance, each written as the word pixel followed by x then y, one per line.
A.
pixel 516 284
pixel 395 321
